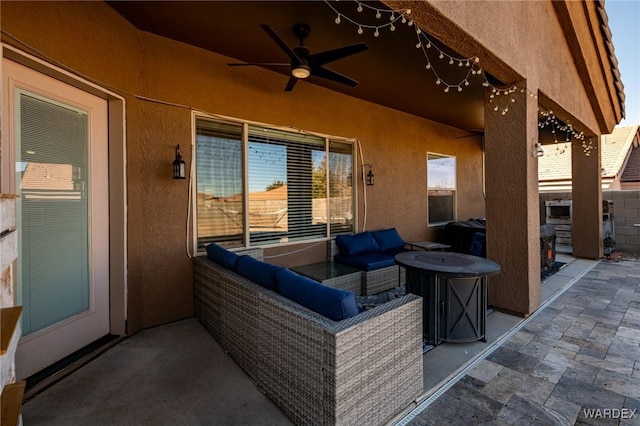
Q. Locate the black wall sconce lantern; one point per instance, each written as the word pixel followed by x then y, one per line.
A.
pixel 369 177
pixel 179 167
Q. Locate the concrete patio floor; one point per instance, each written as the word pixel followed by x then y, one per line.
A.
pixel 178 374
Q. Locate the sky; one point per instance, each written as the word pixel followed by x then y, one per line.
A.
pixel 624 22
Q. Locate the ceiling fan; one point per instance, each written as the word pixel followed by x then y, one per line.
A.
pixel 303 63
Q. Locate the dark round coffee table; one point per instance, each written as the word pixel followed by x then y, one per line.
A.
pixel 454 288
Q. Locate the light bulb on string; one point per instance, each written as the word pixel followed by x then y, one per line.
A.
pixel 403 16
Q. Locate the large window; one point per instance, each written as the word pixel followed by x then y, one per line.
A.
pixel 257 185
pixel 441 188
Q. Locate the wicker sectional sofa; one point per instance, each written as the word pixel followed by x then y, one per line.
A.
pixel 374 254
pixel 363 370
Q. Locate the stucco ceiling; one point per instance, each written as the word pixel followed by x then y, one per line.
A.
pixel 391 73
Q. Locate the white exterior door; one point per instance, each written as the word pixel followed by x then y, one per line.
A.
pixel 55 157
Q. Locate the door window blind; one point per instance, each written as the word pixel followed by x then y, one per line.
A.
pixel 53 211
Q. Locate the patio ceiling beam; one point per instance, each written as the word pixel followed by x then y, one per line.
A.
pixel 430 19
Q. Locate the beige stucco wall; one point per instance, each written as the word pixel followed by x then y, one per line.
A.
pixel 93 41
pixel 526 40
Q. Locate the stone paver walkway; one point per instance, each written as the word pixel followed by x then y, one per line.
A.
pixel 577 361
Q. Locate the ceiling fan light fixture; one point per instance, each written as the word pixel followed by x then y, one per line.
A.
pixel 301 71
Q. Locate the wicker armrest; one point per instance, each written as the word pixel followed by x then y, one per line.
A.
pixel 362 370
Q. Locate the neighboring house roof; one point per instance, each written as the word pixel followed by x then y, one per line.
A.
pixel 615 149
pixel 632 169
pixel 276 194
pixel 47 176
pixel 554 168
pixel 555 164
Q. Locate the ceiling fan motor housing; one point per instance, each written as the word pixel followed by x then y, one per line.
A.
pixel 301 31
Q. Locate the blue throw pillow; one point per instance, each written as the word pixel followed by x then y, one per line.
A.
pixel 388 239
pixel 330 302
pixel 353 245
pixel 257 271
pixel 222 256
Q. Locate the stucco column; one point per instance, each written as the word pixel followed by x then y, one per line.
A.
pixel 587 201
pixel 512 209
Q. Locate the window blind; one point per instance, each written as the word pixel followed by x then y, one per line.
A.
pixel 219 190
pixel 283 205
pixel 53 212
pixel 340 187
pixel 298 187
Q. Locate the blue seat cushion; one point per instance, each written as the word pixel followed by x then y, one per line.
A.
pixel 327 301
pixel 367 262
pixel 393 252
pixel 356 244
pixel 388 239
pixel 222 256
pixel 259 272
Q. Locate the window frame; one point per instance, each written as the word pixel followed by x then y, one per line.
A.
pixel 453 188
pixel 245 139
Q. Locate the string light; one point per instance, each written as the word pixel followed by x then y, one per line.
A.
pixel 500 97
pixel 423 42
pixel 548 119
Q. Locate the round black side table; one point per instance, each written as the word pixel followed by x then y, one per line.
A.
pixel 454 288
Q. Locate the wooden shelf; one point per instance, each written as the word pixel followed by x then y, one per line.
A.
pixel 9 318
pixel 11 404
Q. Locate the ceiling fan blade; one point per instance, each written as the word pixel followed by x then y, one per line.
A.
pixel 292 82
pixel 335 76
pixel 266 64
pixel 327 56
pixel 284 46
